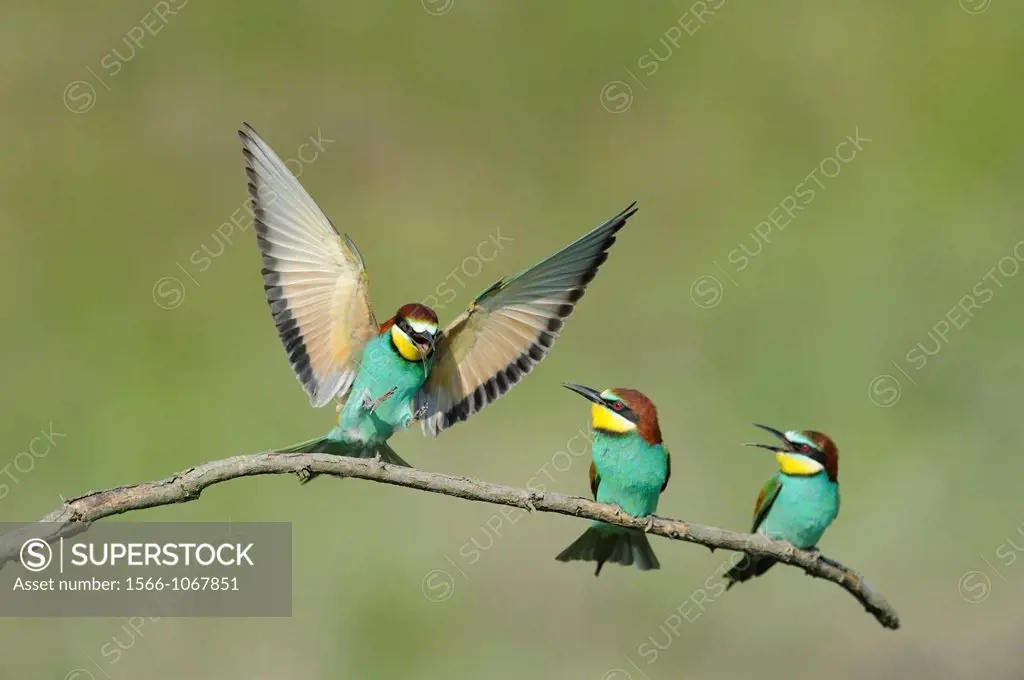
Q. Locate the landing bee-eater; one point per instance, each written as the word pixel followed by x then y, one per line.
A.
pixel 630 469
pixel 386 376
pixel 799 502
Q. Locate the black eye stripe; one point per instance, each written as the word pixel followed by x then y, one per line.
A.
pixel 816 455
pixel 623 410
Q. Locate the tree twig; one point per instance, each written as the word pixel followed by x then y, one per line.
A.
pixel 77 513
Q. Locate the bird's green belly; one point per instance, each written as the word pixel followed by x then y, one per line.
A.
pixel 370 415
pixel 804 508
pixel 632 473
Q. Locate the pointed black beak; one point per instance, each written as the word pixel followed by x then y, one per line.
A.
pixel 424 342
pixel 782 437
pixel 586 392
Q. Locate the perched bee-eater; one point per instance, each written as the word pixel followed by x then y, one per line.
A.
pixel 630 469
pixel 387 376
pixel 799 502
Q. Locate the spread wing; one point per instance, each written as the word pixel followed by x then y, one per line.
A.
pixel 314 278
pixel 508 329
pixel 595 479
pixel 765 499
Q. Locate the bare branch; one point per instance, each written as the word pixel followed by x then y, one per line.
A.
pixel 76 514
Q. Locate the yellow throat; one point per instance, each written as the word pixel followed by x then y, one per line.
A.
pixel 798 466
pixel 602 418
pixel 405 345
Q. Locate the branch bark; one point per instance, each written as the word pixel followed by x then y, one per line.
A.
pixel 76 514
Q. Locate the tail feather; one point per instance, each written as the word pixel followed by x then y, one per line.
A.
pixel 388 455
pixel 748 568
pixel 339 448
pixel 618 546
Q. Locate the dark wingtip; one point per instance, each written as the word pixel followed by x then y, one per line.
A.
pixel 246 132
pixel 630 210
pixel 618 222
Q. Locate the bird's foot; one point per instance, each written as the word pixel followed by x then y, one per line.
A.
pixel 649 525
pixel 371 405
pixel 305 475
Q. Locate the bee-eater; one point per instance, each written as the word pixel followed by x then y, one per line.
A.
pixel 630 469
pixel 387 376
pixel 799 502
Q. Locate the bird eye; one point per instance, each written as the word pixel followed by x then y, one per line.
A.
pixel 617 406
pixel 805 448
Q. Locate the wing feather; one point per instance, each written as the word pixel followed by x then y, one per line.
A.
pixel 595 479
pixel 765 499
pixel 314 279
pixel 668 468
pixel 508 329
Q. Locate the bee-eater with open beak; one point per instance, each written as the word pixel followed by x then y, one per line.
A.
pixel 799 502
pixel 387 376
pixel 630 469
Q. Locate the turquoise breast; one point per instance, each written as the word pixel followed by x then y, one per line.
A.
pixel 387 371
pixel 632 472
pixel 804 508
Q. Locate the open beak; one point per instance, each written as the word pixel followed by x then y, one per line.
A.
pixel 585 392
pixel 770 447
pixel 424 343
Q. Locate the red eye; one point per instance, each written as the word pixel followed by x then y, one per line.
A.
pixel 617 406
pixel 805 448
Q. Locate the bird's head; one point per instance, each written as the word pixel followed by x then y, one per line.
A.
pixel 621 411
pixel 414 330
pixel 804 453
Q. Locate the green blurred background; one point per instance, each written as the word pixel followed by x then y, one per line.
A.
pixel 448 121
